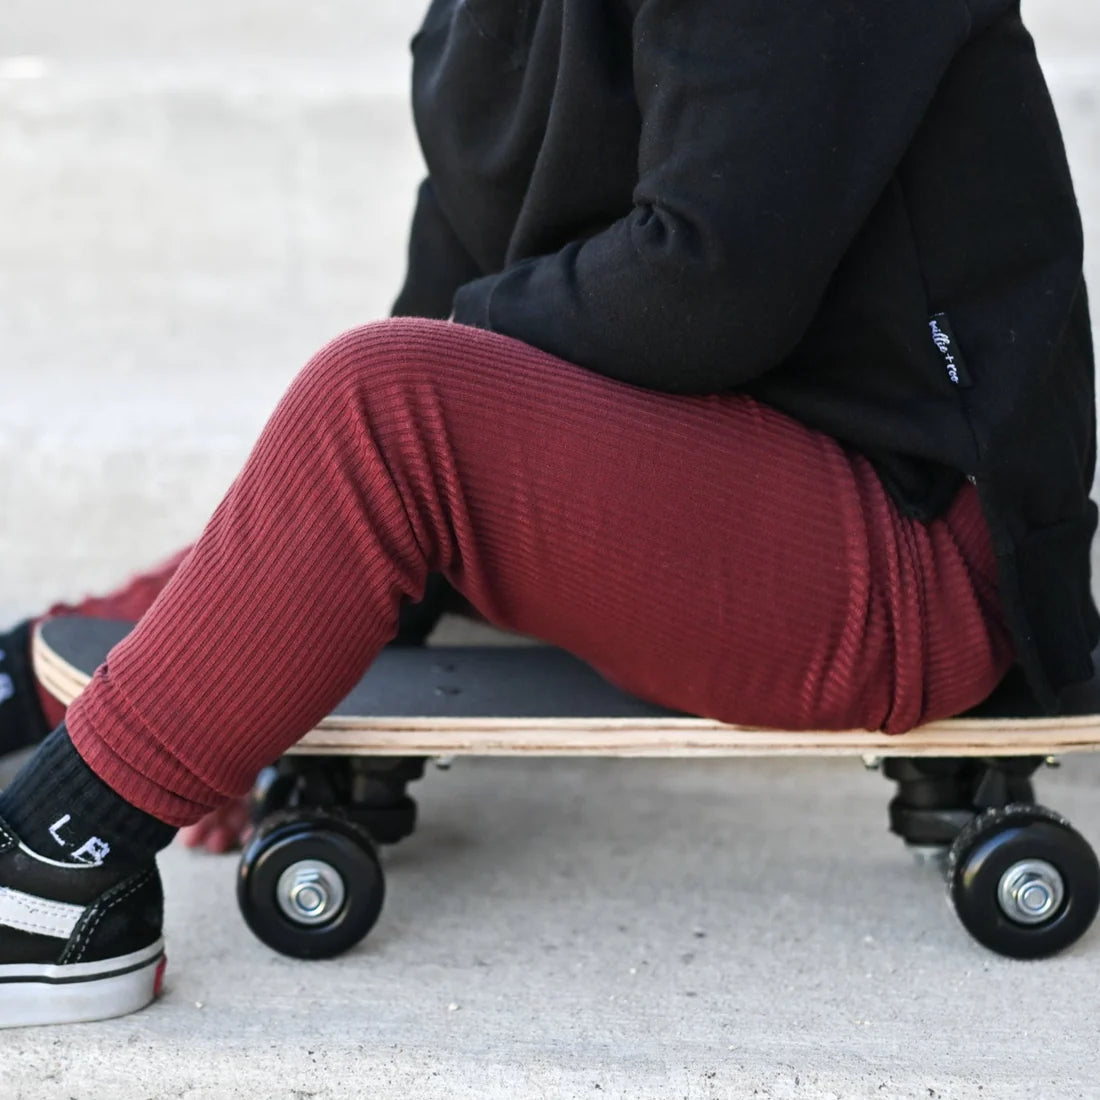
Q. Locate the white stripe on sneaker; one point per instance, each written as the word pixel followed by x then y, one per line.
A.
pixel 29 913
pixel 66 994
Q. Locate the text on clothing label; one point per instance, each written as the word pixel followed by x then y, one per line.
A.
pixel 944 338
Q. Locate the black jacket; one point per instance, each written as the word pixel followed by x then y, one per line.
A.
pixel 858 211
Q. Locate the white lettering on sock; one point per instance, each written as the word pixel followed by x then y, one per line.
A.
pixel 93 850
pixel 56 827
pixel 7 688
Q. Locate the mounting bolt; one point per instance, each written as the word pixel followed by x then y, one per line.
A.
pixel 1030 891
pixel 310 891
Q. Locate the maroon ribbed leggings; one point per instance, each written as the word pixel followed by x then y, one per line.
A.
pixel 707 553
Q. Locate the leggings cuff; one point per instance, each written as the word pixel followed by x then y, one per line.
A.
pixel 125 754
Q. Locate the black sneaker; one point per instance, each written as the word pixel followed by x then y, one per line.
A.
pixel 77 942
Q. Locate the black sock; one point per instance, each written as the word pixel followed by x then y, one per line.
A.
pixel 61 809
pixel 22 722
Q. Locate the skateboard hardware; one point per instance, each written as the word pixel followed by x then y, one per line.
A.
pixel 310 891
pixel 1023 882
pixel 369 790
pixel 938 796
pixel 310 884
pixel 1030 891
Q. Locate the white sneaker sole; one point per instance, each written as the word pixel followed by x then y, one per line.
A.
pixel 79 992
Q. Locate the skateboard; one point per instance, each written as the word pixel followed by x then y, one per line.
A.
pixel 1023 882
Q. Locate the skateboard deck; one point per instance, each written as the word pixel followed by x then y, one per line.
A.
pixel 310 884
pixel 518 700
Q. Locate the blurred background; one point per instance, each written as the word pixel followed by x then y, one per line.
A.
pixel 195 197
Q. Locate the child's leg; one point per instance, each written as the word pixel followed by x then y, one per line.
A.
pixel 133 598
pixel 28 711
pixel 706 552
pixel 129 601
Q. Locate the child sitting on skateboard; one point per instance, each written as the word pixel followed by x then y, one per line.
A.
pixel 768 392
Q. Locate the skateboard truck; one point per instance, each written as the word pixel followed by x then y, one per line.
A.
pixel 937 797
pixel 370 791
pixel 1022 880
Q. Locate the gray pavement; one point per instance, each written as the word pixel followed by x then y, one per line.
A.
pixel 608 928
pixel 198 197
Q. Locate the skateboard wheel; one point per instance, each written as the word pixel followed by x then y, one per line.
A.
pixel 310 885
pixel 1023 881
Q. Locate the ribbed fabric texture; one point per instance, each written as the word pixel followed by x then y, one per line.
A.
pixel 708 553
pixel 130 601
pixel 61 809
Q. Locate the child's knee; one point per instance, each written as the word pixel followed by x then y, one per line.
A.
pixel 376 360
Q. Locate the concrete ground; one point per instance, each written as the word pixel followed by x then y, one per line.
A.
pixel 195 200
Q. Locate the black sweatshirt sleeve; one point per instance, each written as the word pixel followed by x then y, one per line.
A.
pixel 769 130
pixel 437 262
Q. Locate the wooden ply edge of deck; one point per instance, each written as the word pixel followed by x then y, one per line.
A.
pixel 56 675
pixel 659 737
pixel 654 737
